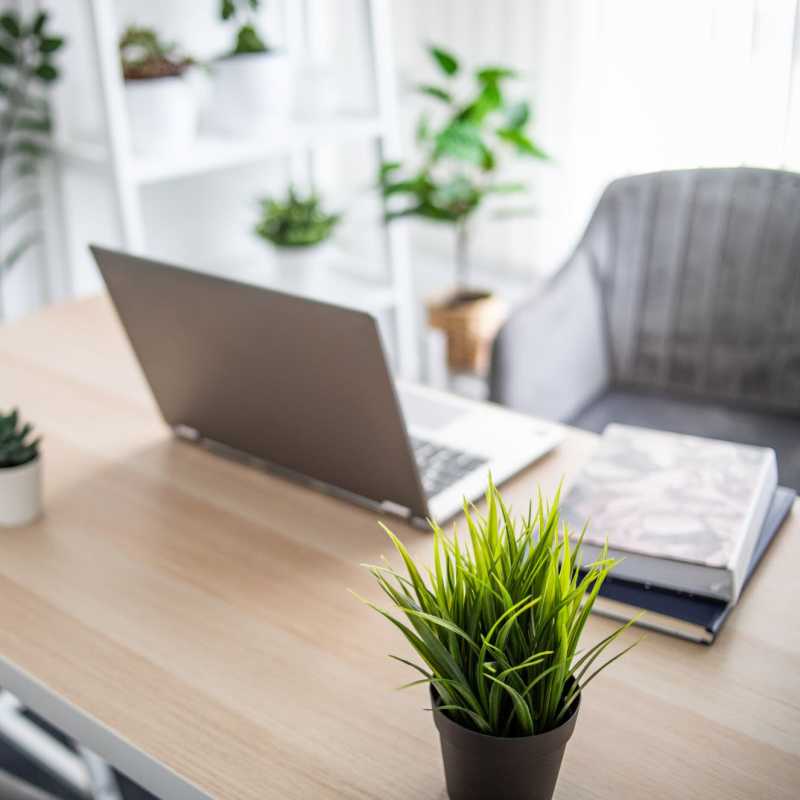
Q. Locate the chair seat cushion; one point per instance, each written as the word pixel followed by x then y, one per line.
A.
pixel 780 432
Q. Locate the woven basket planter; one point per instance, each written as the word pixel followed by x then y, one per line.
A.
pixel 470 319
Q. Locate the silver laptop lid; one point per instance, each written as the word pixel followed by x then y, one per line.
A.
pixel 295 382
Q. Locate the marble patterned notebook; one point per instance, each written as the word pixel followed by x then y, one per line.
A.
pixel 683 511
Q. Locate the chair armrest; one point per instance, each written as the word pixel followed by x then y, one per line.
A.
pixel 550 358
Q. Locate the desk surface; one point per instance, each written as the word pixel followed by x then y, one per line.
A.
pixel 188 618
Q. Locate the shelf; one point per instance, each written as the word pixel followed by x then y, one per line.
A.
pixel 81 152
pixel 211 152
pixel 368 121
pixel 329 281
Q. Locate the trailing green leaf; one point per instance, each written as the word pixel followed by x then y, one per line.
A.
pixel 10 24
pixel 436 92
pixel 49 44
pixel 518 115
pixel 521 142
pixel 35 124
pixel 494 74
pixel 46 71
pixel 28 64
pixel 447 62
pixel 39 22
pixel 19 248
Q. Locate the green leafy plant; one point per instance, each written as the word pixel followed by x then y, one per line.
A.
pixel 296 221
pixel 16 446
pixel 498 620
pixel 462 155
pixel 145 56
pixel 248 39
pixel 28 53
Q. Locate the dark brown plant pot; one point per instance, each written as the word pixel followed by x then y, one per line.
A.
pixel 481 767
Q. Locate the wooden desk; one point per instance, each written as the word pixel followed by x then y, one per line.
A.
pixel 188 618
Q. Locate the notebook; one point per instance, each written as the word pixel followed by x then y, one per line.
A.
pixel 682 512
pixel 692 617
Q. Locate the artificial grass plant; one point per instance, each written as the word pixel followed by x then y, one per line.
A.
pixel 498 619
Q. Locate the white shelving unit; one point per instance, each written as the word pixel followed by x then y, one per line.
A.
pixel 296 141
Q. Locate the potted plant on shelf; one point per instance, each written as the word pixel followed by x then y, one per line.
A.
pixel 497 623
pixel 28 65
pixel 162 110
pixel 20 472
pixel 298 229
pixel 252 82
pixel 463 148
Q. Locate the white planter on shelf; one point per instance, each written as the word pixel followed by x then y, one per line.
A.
pixel 20 493
pixel 162 113
pixel 303 267
pixel 250 93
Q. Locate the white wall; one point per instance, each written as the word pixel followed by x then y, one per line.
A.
pixel 618 86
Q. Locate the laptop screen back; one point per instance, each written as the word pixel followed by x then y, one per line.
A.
pixel 298 383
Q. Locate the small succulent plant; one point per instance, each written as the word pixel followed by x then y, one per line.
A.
pixel 16 445
pixel 144 55
pixel 242 12
pixel 296 221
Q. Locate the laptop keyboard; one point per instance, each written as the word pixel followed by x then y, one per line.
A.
pixel 440 466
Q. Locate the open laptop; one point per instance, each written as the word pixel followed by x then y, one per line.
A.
pixel 303 387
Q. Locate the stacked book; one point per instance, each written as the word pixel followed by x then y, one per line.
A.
pixel 690 519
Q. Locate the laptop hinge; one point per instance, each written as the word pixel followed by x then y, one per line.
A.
pixel 190 434
pixel 395 508
pixel 186 432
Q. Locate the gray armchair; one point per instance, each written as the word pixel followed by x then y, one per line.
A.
pixel 679 310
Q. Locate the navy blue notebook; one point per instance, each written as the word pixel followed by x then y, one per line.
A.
pixel 689 616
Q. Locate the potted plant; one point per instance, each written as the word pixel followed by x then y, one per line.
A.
pixel 252 82
pixel 20 472
pixel 162 110
pixel 28 65
pixel 496 624
pixel 463 148
pixel 297 229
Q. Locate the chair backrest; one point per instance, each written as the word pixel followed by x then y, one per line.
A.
pixel 700 278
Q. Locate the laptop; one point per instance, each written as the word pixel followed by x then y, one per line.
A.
pixel 303 387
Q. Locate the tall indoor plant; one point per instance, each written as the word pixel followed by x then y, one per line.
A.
pixel 496 624
pixel 28 55
pixel 463 147
pixel 161 106
pixel 251 88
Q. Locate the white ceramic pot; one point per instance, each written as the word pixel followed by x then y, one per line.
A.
pixel 250 93
pixel 303 267
pixel 162 113
pixel 20 493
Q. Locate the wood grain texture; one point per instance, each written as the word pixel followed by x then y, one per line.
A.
pixel 199 609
